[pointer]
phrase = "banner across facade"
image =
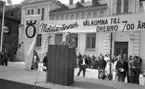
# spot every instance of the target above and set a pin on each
(129, 22)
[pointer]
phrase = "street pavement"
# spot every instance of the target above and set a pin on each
(90, 73)
(16, 71)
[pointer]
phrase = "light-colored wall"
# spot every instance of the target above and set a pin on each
(142, 47)
(100, 43)
(82, 43)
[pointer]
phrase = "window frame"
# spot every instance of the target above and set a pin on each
(126, 6)
(32, 11)
(28, 12)
(43, 14)
(75, 35)
(39, 40)
(118, 8)
(89, 39)
(38, 11)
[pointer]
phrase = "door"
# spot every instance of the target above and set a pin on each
(121, 48)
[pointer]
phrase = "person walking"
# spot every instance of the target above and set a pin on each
(82, 65)
(121, 67)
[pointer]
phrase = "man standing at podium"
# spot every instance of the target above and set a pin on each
(68, 40)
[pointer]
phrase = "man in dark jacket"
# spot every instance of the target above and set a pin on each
(122, 68)
(134, 70)
(101, 66)
(44, 63)
(82, 65)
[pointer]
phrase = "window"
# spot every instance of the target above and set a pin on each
(51, 17)
(95, 15)
(75, 36)
(38, 41)
(38, 11)
(42, 18)
(89, 15)
(77, 16)
(72, 16)
(118, 7)
(32, 12)
(61, 17)
(126, 2)
(83, 15)
(28, 12)
(91, 40)
(57, 17)
(67, 16)
(102, 13)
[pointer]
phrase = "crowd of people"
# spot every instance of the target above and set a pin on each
(117, 69)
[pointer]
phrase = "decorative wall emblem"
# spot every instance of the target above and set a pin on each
(31, 24)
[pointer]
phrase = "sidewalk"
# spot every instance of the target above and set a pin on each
(15, 72)
(90, 73)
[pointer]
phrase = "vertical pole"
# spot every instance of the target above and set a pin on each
(110, 73)
(3, 18)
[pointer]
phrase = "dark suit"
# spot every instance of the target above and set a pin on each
(121, 75)
(82, 67)
(134, 71)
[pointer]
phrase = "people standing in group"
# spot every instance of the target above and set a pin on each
(82, 63)
(134, 70)
(35, 61)
(101, 67)
(122, 68)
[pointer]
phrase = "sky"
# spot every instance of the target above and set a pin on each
(63, 1)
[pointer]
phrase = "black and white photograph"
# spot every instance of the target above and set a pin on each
(72, 44)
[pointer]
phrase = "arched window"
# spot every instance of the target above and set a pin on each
(95, 15)
(72, 16)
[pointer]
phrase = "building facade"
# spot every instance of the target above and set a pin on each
(12, 21)
(88, 41)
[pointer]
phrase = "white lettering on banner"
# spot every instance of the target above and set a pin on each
(130, 22)
(95, 22)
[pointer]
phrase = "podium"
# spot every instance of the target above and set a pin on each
(61, 63)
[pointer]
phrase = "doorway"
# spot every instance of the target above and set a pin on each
(121, 48)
